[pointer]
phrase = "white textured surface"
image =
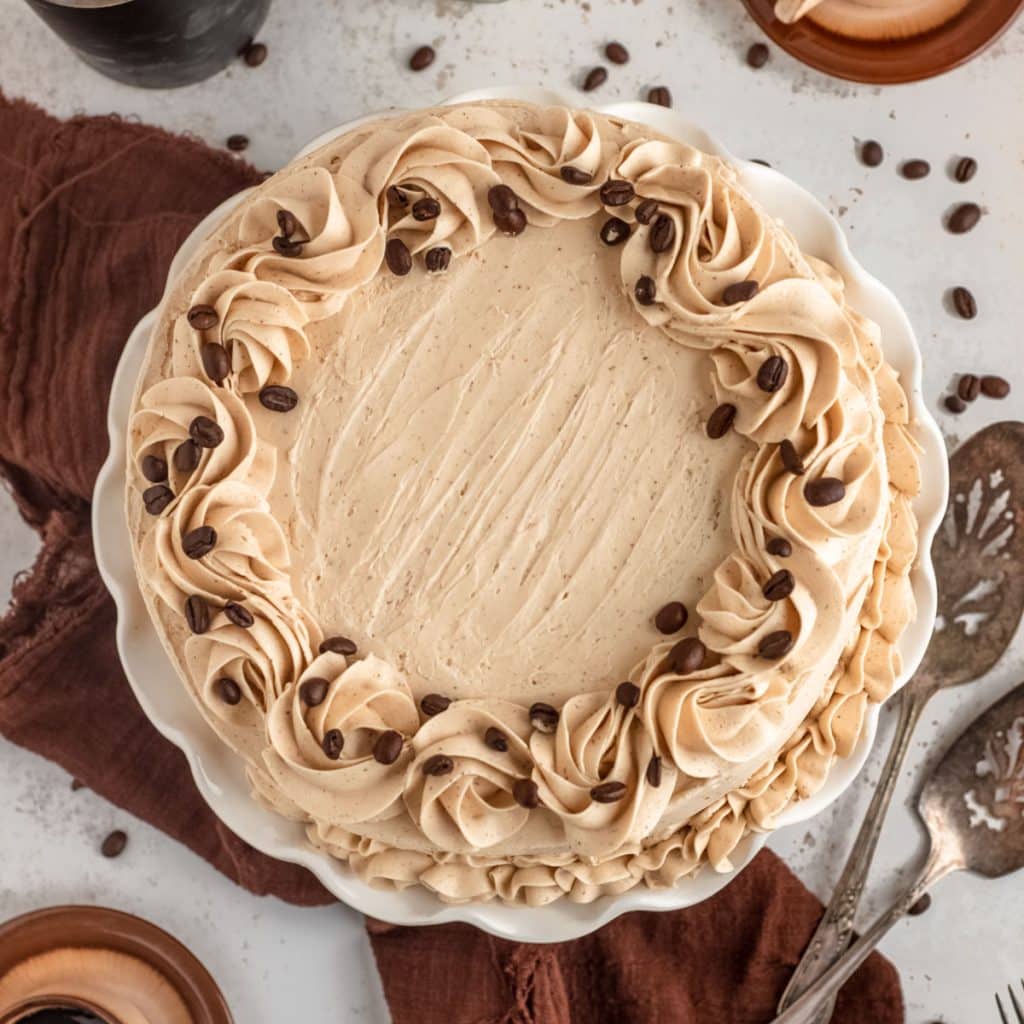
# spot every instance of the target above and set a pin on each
(330, 61)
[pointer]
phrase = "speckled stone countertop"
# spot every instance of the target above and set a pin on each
(331, 60)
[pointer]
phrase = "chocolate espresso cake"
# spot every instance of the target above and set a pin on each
(521, 504)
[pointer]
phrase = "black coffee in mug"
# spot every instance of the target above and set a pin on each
(154, 43)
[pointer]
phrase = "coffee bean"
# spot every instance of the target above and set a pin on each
(758, 55)
(199, 542)
(288, 224)
(595, 77)
(645, 291)
(963, 218)
(574, 176)
(721, 420)
(966, 168)
(153, 468)
(791, 458)
(921, 906)
(496, 740)
(773, 373)
(914, 170)
(653, 772)
(114, 844)
(216, 362)
(333, 744)
(434, 703)
(205, 432)
(388, 747)
(671, 618)
(662, 233)
(396, 196)
(197, 614)
(289, 247)
(968, 387)
(228, 690)
(526, 794)
(202, 317)
(627, 694)
(740, 291)
(615, 231)
(278, 398)
(186, 456)
(994, 387)
(543, 717)
(616, 192)
(608, 792)
(502, 199)
(338, 645)
(964, 304)
(439, 764)
(617, 53)
(826, 490)
(776, 645)
(779, 547)
(511, 223)
(779, 586)
(397, 257)
(438, 259)
(645, 211)
(313, 692)
(659, 96)
(238, 615)
(871, 153)
(254, 54)
(422, 58)
(954, 404)
(157, 498)
(426, 208)
(238, 143)
(686, 656)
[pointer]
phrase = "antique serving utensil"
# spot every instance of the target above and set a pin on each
(978, 555)
(973, 808)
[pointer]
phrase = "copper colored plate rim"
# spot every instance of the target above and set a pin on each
(52, 928)
(892, 63)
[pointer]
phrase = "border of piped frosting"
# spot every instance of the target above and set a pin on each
(841, 405)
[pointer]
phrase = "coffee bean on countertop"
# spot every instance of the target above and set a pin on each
(671, 618)
(968, 387)
(995, 387)
(496, 739)
(914, 170)
(238, 615)
(427, 208)
(202, 317)
(720, 421)
(278, 398)
(826, 490)
(526, 794)
(254, 54)
(438, 259)
(871, 153)
(186, 456)
(954, 403)
(338, 645)
(595, 77)
(197, 614)
(199, 542)
(114, 844)
(686, 656)
(739, 291)
(617, 53)
(776, 645)
(964, 304)
(313, 691)
(779, 586)
(772, 374)
(575, 176)
(333, 744)
(627, 694)
(434, 703)
(153, 468)
(614, 231)
(238, 143)
(758, 55)
(228, 690)
(963, 218)
(157, 498)
(608, 792)
(779, 547)
(543, 717)
(791, 457)
(216, 362)
(645, 291)
(438, 764)
(422, 57)
(206, 432)
(616, 192)
(653, 773)
(966, 168)
(659, 96)
(388, 747)
(662, 233)
(645, 211)
(397, 257)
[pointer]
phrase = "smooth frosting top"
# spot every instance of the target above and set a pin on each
(494, 477)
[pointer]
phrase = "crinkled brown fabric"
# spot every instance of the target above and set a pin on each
(91, 212)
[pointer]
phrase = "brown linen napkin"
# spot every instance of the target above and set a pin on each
(91, 212)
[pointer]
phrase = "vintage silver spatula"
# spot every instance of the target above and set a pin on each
(978, 555)
(973, 807)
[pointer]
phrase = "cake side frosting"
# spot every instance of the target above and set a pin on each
(486, 797)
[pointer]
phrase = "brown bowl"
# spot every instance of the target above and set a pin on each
(98, 928)
(889, 63)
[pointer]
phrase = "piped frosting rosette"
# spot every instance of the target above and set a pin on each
(356, 704)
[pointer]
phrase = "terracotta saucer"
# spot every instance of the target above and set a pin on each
(54, 928)
(904, 60)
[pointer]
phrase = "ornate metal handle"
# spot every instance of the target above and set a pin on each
(836, 927)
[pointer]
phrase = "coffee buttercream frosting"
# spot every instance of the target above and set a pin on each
(436, 423)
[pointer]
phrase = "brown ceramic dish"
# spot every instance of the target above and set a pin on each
(98, 928)
(904, 60)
